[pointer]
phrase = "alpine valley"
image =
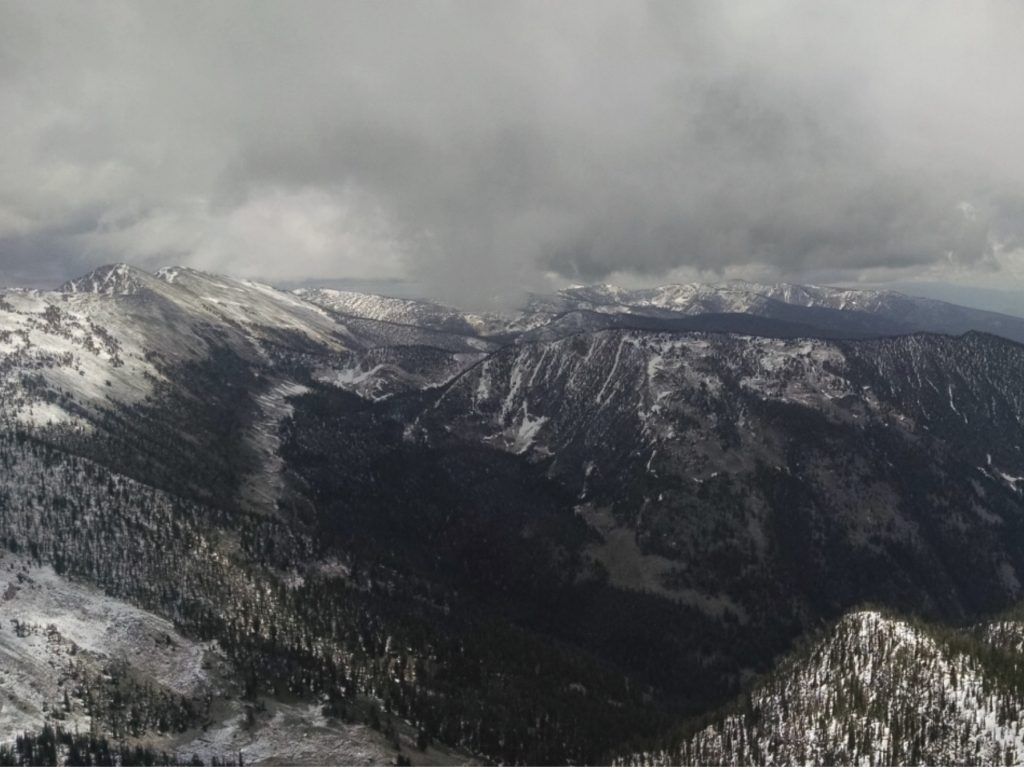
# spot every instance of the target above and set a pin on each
(727, 524)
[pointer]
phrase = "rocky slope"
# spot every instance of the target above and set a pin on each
(774, 480)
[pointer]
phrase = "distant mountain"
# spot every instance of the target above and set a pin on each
(418, 313)
(785, 324)
(111, 280)
(779, 309)
(879, 312)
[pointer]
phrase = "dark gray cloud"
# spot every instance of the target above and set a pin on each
(483, 147)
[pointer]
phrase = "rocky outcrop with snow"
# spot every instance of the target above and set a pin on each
(875, 690)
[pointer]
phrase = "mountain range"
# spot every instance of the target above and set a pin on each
(729, 523)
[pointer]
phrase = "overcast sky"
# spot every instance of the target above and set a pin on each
(478, 148)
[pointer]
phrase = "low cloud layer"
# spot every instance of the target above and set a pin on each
(483, 148)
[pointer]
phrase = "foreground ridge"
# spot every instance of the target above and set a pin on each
(875, 690)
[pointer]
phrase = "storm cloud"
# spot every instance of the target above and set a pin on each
(483, 148)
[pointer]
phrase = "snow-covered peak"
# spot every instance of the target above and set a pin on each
(830, 297)
(247, 303)
(372, 306)
(686, 298)
(88, 348)
(110, 280)
(892, 312)
(425, 314)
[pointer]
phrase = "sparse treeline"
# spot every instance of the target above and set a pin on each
(54, 745)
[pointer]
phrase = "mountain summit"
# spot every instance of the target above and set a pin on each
(109, 280)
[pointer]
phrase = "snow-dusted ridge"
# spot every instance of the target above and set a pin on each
(876, 690)
(730, 296)
(109, 280)
(412, 312)
(878, 311)
(111, 336)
